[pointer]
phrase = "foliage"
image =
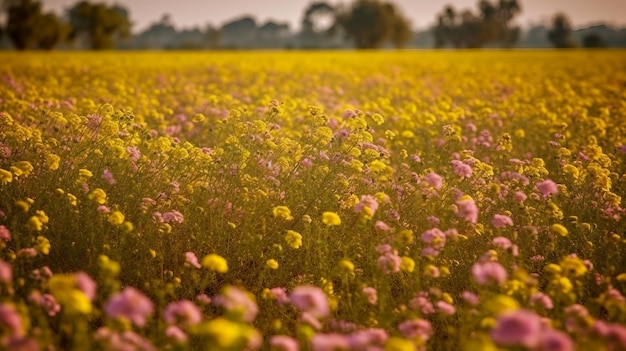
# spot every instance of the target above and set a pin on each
(468, 30)
(371, 23)
(100, 25)
(246, 201)
(560, 35)
(594, 40)
(28, 27)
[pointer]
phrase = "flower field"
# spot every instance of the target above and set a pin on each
(313, 201)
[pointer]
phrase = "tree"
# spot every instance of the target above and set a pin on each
(23, 17)
(561, 33)
(52, 31)
(370, 23)
(100, 25)
(594, 40)
(318, 25)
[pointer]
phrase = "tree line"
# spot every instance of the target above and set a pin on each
(363, 24)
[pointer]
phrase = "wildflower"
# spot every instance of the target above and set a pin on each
(470, 298)
(331, 219)
(407, 265)
(559, 229)
(5, 176)
(368, 339)
(47, 301)
(554, 340)
(367, 206)
(467, 209)
(445, 308)
(501, 221)
(282, 212)
(5, 234)
(175, 333)
(107, 175)
(52, 161)
(310, 299)
(434, 180)
(85, 284)
(131, 304)
(10, 321)
(239, 304)
(416, 328)
(573, 266)
(271, 263)
(518, 328)
(21, 168)
(390, 262)
(502, 242)
(284, 343)
(98, 195)
(329, 342)
(547, 188)
(116, 218)
(215, 263)
(519, 196)
(399, 344)
(192, 260)
(347, 265)
(6, 273)
(183, 313)
(293, 239)
(489, 271)
(371, 295)
(461, 169)
(382, 226)
(541, 299)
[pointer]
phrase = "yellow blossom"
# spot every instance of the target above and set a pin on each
(282, 212)
(271, 263)
(293, 239)
(331, 219)
(52, 161)
(215, 263)
(116, 218)
(5, 176)
(559, 229)
(407, 264)
(98, 195)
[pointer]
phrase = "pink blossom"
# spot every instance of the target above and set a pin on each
(203, 299)
(461, 169)
(368, 204)
(284, 343)
(27, 252)
(238, 302)
(554, 340)
(422, 304)
(182, 312)
(382, 226)
(130, 303)
(518, 328)
(175, 333)
(5, 234)
(502, 242)
(414, 328)
(86, 285)
(310, 299)
(280, 294)
(434, 180)
(445, 308)
(471, 298)
(366, 339)
(6, 273)
(47, 301)
(501, 221)
(547, 188)
(541, 299)
(489, 272)
(467, 209)
(173, 217)
(390, 262)
(192, 260)
(10, 320)
(371, 295)
(519, 196)
(108, 177)
(329, 342)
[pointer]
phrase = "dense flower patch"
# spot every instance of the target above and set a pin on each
(313, 201)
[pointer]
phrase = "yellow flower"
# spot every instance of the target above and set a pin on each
(573, 266)
(5, 176)
(377, 166)
(198, 117)
(22, 168)
(398, 344)
(116, 218)
(272, 263)
(85, 173)
(347, 265)
(226, 334)
(35, 224)
(293, 239)
(52, 161)
(559, 229)
(331, 219)
(282, 212)
(407, 265)
(43, 245)
(215, 263)
(98, 195)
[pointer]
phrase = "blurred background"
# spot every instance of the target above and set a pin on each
(305, 24)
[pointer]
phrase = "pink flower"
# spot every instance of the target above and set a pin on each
(518, 328)
(366, 339)
(519, 196)
(467, 209)
(130, 303)
(6, 273)
(10, 320)
(238, 302)
(329, 342)
(547, 188)
(203, 299)
(280, 294)
(434, 180)
(416, 328)
(554, 340)
(284, 343)
(461, 169)
(310, 299)
(5, 234)
(371, 294)
(390, 262)
(182, 312)
(502, 242)
(86, 284)
(471, 298)
(173, 217)
(445, 308)
(501, 221)
(541, 299)
(382, 226)
(368, 205)
(175, 333)
(47, 301)
(192, 260)
(108, 177)
(489, 271)
(422, 303)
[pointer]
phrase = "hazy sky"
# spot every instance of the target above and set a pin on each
(189, 13)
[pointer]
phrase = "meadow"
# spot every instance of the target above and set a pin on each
(313, 201)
